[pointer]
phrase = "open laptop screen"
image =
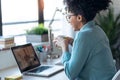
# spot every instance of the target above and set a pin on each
(26, 57)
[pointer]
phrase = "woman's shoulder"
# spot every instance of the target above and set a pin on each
(90, 34)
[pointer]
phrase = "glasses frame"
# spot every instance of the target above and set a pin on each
(68, 16)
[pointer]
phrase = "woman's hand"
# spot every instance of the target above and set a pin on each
(70, 40)
(62, 42)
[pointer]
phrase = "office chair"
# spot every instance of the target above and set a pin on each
(116, 76)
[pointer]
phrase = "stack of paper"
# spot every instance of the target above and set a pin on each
(14, 77)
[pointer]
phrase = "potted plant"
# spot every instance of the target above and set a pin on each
(37, 34)
(110, 23)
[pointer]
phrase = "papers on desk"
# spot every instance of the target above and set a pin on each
(14, 77)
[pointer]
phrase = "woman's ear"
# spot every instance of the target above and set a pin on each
(79, 18)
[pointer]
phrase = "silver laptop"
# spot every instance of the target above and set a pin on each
(29, 63)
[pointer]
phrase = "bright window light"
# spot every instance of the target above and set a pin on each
(18, 15)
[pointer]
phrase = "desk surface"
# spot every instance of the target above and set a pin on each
(15, 70)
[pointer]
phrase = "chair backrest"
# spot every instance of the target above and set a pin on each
(116, 76)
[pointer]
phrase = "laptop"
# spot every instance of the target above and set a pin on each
(29, 64)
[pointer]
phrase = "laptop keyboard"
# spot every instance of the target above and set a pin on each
(40, 69)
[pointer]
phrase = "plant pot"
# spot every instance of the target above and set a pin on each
(37, 38)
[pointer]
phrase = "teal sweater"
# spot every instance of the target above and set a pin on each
(91, 57)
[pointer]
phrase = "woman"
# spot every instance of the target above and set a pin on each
(91, 57)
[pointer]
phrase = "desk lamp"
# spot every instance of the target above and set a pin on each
(50, 33)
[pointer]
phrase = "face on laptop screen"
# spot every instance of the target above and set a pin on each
(25, 57)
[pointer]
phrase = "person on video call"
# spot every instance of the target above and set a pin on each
(91, 57)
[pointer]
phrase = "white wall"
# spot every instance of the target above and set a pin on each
(116, 4)
(6, 59)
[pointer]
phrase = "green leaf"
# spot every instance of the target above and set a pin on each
(38, 30)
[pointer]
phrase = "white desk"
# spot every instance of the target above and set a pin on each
(15, 70)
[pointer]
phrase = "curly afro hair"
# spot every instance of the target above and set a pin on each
(86, 8)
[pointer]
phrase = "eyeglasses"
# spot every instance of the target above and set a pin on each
(68, 16)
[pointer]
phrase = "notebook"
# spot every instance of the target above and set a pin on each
(29, 63)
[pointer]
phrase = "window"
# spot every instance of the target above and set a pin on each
(18, 15)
